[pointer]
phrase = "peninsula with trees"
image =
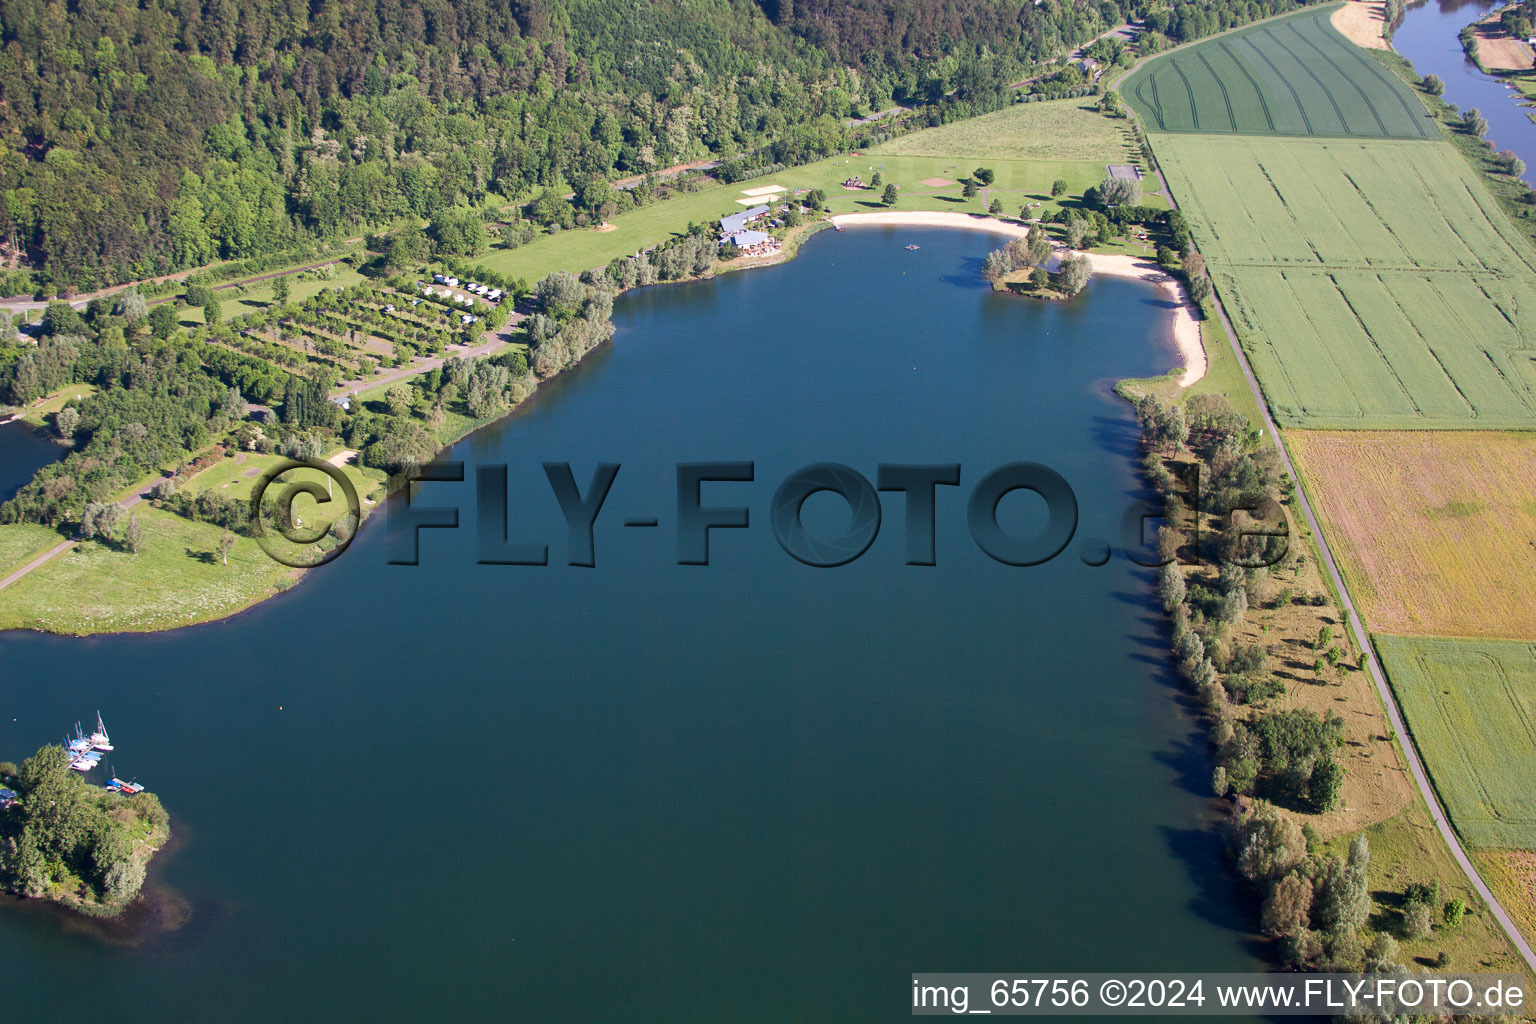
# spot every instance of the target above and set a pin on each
(79, 846)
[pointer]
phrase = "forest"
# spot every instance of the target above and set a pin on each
(153, 136)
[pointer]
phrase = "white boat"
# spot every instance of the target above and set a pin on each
(99, 739)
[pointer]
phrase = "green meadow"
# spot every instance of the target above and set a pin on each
(1471, 706)
(1028, 146)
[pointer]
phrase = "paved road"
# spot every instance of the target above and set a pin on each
(1357, 627)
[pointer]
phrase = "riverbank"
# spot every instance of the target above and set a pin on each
(1184, 328)
(1494, 51)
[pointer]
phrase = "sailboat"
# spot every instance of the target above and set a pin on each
(99, 739)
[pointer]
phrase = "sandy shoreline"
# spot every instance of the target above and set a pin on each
(1185, 329)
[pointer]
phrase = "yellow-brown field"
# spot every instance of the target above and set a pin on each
(1511, 874)
(1435, 531)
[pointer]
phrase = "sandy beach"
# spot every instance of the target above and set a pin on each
(1185, 329)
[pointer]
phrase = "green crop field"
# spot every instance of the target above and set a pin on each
(1471, 706)
(1374, 283)
(1289, 76)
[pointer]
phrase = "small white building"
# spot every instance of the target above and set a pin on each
(495, 295)
(439, 278)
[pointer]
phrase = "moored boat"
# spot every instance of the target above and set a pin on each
(99, 739)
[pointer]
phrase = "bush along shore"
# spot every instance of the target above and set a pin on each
(61, 840)
(1256, 637)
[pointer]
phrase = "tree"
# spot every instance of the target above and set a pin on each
(1434, 85)
(226, 542)
(1119, 191)
(1075, 272)
(213, 313)
(1343, 900)
(1269, 844)
(1170, 587)
(875, 180)
(1039, 277)
(1288, 907)
(985, 175)
(1200, 289)
(1059, 187)
(996, 266)
(888, 198)
(1037, 245)
(163, 319)
(99, 519)
(1418, 919)
(1455, 909)
(65, 421)
(131, 305)
(399, 397)
(134, 535)
(1474, 122)
(995, 208)
(969, 189)
(1077, 233)
(281, 290)
(1324, 783)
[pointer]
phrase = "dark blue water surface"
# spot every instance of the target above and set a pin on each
(649, 792)
(23, 451)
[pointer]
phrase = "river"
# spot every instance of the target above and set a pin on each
(1429, 36)
(647, 791)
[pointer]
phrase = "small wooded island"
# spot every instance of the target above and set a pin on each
(77, 845)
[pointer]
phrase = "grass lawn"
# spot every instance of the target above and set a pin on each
(258, 296)
(176, 579)
(1375, 284)
(1223, 375)
(1432, 529)
(1406, 849)
(1053, 130)
(234, 478)
(21, 542)
(1471, 706)
(38, 415)
(950, 152)
(1287, 76)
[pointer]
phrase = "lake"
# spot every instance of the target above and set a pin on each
(23, 451)
(646, 791)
